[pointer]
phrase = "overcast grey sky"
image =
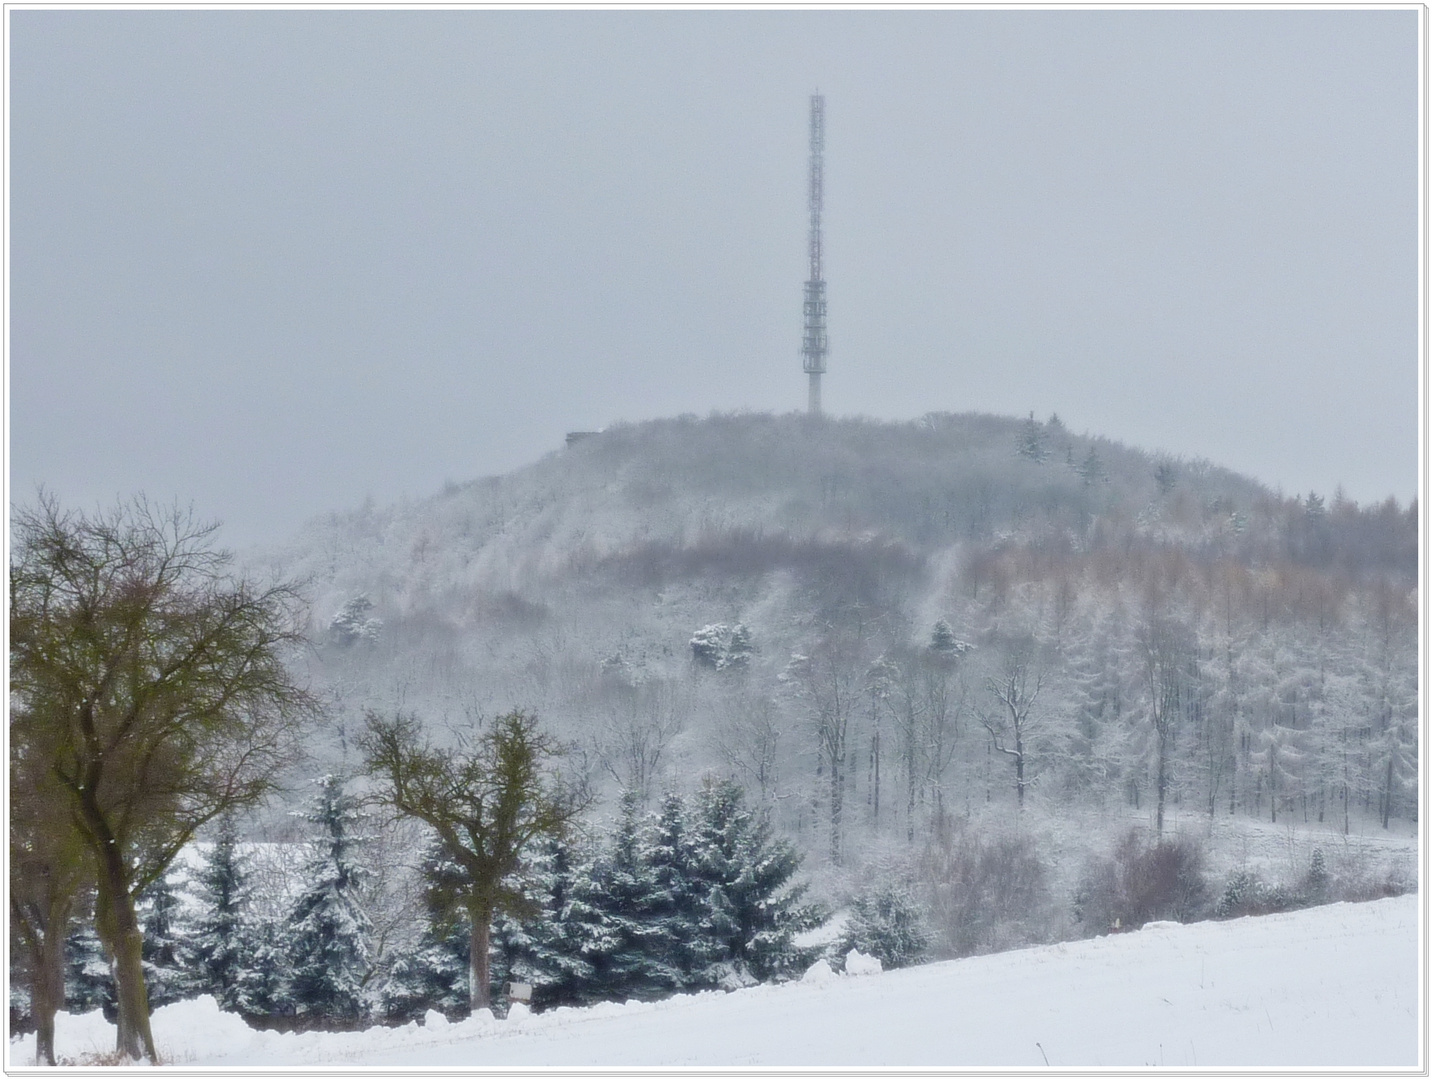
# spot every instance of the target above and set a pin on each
(276, 262)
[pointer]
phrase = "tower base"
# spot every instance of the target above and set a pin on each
(814, 404)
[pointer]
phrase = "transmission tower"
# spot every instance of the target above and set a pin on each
(813, 344)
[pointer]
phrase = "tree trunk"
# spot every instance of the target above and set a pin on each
(1387, 794)
(47, 985)
(1162, 781)
(875, 755)
(40, 932)
(480, 962)
(118, 929)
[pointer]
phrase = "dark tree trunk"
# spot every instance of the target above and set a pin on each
(1019, 769)
(1162, 780)
(875, 756)
(47, 984)
(480, 962)
(1387, 794)
(118, 929)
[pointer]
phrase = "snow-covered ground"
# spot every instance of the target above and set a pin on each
(1330, 986)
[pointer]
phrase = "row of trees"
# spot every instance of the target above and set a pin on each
(698, 895)
(152, 696)
(1160, 697)
(153, 693)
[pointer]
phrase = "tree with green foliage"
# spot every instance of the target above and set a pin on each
(156, 681)
(487, 799)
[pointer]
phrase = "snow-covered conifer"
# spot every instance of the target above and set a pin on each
(433, 973)
(628, 955)
(752, 911)
(222, 943)
(89, 984)
(556, 947)
(329, 930)
(888, 923)
(165, 953)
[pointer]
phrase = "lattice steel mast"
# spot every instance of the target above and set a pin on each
(813, 344)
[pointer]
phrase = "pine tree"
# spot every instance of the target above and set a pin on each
(89, 983)
(677, 904)
(751, 912)
(229, 951)
(1031, 442)
(165, 953)
(263, 986)
(434, 974)
(329, 930)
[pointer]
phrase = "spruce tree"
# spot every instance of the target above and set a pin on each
(89, 982)
(434, 973)
(329, 938)
(164, 953)
(888, 924)
(264, 984)
(678, 900)
(628, 954)
(232, 957)
(751, 912)
(556, 950)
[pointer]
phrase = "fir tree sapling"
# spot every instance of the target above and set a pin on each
(887, 923)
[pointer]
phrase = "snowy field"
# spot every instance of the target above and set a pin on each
(1332, 986)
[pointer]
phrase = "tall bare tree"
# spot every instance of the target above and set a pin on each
(1014, 685)
(157, 679)
(1167, 651)
(830, 682)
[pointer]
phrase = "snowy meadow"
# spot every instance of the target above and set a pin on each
(1334, 986)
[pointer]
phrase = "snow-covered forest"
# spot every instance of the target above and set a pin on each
(871, 626)
(926, 690)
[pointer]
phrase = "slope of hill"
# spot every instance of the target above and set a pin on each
(1330, 987)
(888, 632)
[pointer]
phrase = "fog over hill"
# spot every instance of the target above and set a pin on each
(852, 618)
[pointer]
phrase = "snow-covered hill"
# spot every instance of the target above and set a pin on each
(1335, 986)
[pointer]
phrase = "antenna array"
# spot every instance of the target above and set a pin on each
(813, 343)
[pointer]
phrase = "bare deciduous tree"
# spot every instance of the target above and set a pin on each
(1014, 685)
(159, 681)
